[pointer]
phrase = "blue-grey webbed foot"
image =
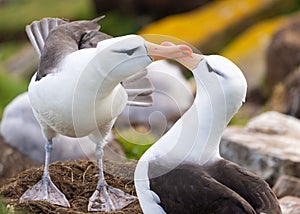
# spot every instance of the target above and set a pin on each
(107, 198)
(45, 189)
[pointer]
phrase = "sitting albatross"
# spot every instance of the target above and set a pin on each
(77, 92)
(183, 171)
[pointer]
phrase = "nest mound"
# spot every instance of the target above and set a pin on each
(77, 180)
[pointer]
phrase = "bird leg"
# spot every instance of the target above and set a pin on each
(107, 198)
(45, 188)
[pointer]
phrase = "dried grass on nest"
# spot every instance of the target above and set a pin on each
(77, 180)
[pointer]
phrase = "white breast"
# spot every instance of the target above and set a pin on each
(67, 100)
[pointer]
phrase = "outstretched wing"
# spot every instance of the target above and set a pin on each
(38, 31)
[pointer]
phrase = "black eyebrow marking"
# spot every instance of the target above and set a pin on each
(129, 52)
(210, 69)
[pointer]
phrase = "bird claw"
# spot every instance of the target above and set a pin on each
(107, 198)
(45, 190)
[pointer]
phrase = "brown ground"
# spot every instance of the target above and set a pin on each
(76, 179)
(12, 162)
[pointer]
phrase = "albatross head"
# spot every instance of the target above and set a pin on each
(129, 54)
(230, 77)
(219, 77)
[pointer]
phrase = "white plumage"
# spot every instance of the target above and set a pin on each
(77, 92)
(190, 151)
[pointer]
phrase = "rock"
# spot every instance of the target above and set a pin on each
(285, 45)
(285, 98)
(21, 130)
(275, 124)
(211, 27)
(287, 185)
(290, 205)
(269, 146)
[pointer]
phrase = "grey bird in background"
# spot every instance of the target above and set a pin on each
(21, 130)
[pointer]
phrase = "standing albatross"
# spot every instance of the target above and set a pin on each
(183, 171)
(77, 92)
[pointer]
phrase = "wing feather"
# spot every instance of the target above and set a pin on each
(38, 31)
(189, 189)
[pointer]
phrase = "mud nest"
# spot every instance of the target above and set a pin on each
(77, 180)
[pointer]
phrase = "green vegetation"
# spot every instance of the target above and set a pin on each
(8, 49)
(4, 210)
(27, 11)
(134, 143)
(10, 87)
(10, 209)
(16, 14)
(239, 120)
(116, 24)
(31, 10)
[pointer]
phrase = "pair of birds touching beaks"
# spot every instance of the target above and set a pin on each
(84, 81)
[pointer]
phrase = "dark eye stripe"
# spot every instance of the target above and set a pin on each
(210, 69)
(129, 52)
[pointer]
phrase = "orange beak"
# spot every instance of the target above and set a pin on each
(157, 52)
(180, 53)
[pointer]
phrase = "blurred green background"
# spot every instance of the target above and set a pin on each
(239, 30)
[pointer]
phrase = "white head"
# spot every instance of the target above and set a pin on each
(124, 55)
(129, 54)
(219, 77)
(231, 80)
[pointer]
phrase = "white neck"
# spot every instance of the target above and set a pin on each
(196, 136)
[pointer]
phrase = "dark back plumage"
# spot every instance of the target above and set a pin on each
(55, 38)
(222, 187)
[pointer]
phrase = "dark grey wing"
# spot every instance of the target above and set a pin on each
(91, 39)
(248, 185)
(38, 31)
(189, 189)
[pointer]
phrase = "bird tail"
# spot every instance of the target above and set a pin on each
(139, 89)
(38, 31)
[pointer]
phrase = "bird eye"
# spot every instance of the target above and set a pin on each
(129, 52)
